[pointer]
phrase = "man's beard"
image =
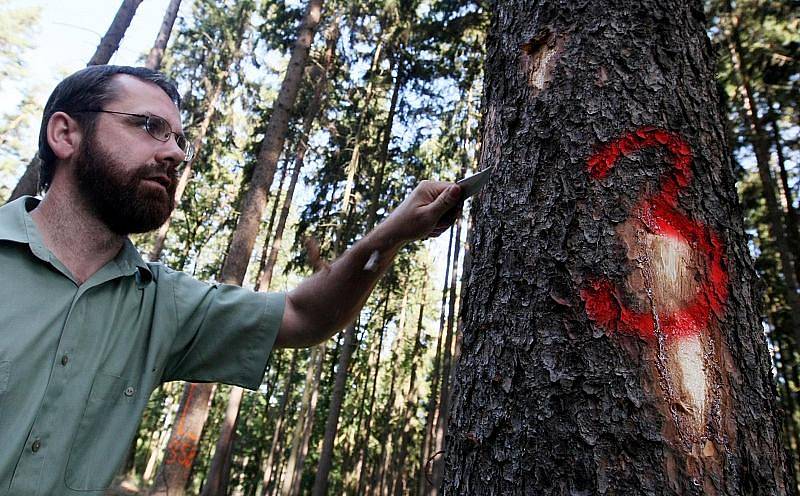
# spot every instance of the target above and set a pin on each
(117, 193)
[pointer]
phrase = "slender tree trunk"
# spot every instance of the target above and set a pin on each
(425, 458)
(157, 52)
(332, 423)
(268, 237)
(255, 198)
(360, 469)
(612, 340)
(110, 42)
(355, 157)
(400, 481)
(792, 228)
(760, 143)
(312, 112)
(216, 481)
(184, 440)
(186, 173)
(278, 431)
(304, 424)
(244, 235)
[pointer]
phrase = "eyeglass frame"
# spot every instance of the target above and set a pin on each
(188, 153)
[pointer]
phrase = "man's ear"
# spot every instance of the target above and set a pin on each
(63, 135)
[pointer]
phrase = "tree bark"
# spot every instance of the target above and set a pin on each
(110, 42)
(157, 52)
(612, 340)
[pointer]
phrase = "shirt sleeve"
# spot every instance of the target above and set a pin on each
(224, 333)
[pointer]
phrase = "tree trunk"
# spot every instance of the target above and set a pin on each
(760, 143)
(255, 198)
(372, 379)
(332, 422)
(110, 42)
(425, 454)
(157, 52)
(304, 424)
(601, 350)
(184, 440)
(277, 433)
(792, 228)
(399, 481)
(313, 110)
(217, 478)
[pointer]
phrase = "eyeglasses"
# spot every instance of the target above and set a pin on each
(158, 128)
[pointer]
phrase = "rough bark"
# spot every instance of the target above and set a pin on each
(110, 41)
(157, 52)
(255, 198)
(611, 214)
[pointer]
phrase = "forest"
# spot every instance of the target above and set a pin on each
(496, 358)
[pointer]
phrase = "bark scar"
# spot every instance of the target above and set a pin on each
(539, 57)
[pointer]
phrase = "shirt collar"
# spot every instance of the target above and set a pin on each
(17, 225)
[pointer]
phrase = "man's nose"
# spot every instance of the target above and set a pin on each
(169, 152)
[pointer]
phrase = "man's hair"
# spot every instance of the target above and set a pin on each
(89, 89)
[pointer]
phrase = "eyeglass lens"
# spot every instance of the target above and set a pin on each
(160, 129)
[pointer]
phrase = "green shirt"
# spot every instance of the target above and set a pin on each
(78, 362)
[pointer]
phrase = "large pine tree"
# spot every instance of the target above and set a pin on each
(612, 340)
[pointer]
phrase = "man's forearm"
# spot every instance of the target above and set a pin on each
(330, 299)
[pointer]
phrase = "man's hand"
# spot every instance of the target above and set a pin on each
(428, 211)
(332, 298)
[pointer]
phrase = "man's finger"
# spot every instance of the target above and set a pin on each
(446, 199)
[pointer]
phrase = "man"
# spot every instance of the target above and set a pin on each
(89, 329)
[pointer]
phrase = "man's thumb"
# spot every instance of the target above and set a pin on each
(446, 199)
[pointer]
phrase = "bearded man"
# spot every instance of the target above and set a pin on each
(89, 329)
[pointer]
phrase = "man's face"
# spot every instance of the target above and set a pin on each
(127, 177)
(120, 193)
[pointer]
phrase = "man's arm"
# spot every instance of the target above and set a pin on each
(330, 299)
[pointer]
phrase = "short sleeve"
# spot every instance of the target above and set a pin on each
(224, 333)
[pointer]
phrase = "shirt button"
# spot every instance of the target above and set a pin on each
(129, 391)
(64, 360)
(36, 445)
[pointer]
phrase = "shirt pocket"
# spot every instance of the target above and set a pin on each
(100, 442)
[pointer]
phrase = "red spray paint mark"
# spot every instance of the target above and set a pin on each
(659, 214)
